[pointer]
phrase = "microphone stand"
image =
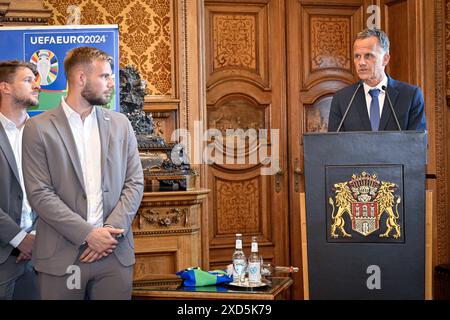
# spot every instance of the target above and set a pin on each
(391, 107)
(348, 107)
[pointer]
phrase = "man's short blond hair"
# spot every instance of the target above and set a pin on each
(84, 56)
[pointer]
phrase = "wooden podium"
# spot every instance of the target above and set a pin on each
(365, 215)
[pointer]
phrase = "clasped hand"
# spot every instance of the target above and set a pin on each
(101, 243)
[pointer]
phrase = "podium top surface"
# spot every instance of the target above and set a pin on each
(377, 133)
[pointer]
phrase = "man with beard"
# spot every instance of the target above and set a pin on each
(18, 91)
(84, 179)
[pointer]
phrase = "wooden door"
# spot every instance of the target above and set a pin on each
(245, 89)
(319, 44)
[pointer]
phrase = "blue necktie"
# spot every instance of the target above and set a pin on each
(374, 109)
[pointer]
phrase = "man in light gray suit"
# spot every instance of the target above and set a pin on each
(84, 179)
(18, 91)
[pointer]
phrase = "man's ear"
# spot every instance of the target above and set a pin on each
(79, 78)
(82, 78)
(5, 87)
(386, 59)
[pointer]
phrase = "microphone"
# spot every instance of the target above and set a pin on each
(348, 107)
(391, 107)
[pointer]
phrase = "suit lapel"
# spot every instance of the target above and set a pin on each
(104, 126)
(59, 120)
(5, 146)
(361, 105)
(387, 113)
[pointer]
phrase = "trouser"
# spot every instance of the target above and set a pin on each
(105, 279)
(18, 280)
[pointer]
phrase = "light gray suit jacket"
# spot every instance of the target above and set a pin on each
(55, 187)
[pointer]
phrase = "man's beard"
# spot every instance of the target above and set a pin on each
(26, 101)
(93, 98)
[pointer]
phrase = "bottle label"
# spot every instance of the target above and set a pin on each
(254, 246)
(238, 267)
(254, 272)
(238, 244)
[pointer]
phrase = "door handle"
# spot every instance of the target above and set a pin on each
(278, 177)
(297, 174)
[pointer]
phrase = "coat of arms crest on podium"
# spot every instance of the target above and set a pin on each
(365, 200)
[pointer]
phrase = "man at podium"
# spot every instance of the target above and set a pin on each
(376, 102)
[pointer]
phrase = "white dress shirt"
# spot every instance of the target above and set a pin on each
(381, 97)
(87, 140)
(14, 135)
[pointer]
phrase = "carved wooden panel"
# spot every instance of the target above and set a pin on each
(234, 41)
(238, 206)
(237, 113)
(148, 264)
(436, 86)
(447, 43)
(238, 38)
(152, 219)
(330, 43)
(160, 217)
(317, 115)
(326, 40)
(23, 12)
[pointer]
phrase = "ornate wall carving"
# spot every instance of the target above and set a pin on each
(146, 34)
(238, 38)
(447, 44)
(441, 136)
(325, 42)
(234, 41)
(236, 114)
(238, 206)
(19, 12)
(317, 115)
(330, 45)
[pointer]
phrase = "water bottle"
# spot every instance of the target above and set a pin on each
(254, 265)
(239, 260)
(268, 269)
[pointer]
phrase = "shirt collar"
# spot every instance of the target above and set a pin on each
(70, 113)
(8, 124)
(383, 82)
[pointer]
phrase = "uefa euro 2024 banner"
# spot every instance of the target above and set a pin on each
(46, 47)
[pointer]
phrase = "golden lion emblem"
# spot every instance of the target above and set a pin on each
(344, 200)
(365, 200)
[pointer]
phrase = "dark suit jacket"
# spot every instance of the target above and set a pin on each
(407, 101)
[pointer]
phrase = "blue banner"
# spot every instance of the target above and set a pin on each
(46, 47)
